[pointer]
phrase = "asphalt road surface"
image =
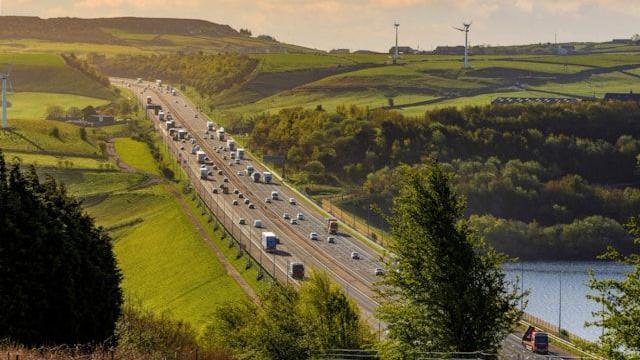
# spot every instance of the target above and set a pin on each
(356, 276)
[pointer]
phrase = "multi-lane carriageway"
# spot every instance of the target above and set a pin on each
(357, 277)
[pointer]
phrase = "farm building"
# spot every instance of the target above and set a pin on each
(403, 50)
(449, 50)
(630, 96)
(101, 120)
(531, 100)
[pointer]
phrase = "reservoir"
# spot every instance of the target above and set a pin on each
(547, 300)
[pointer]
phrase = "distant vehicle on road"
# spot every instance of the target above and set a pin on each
(313, 236)
(331, 239)
(292, 201)
(355, 256)
(378, 272)
(536, 340)
(257, 223)
(296, 270)
(269, 241)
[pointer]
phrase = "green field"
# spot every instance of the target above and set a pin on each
(166, 265)
(49, 73)
(28, 135)
(440, 80)
(66, 162)
(33, 105)
(136, 154)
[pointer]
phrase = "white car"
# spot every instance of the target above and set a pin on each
(240, 173)
(331, 239)
(292, 201)
(235, 202)
(379, 272)
(313, 236)
(267, 200)
(300, 216)
(294, 222)
(355, 256)
(286, 216)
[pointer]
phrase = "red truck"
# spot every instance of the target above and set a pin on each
(536, 340)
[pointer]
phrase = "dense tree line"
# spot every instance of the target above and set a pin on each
(59, 282)
(86, 68)
(531, 163)
(208, 74)
(517, 190)
(590, 140)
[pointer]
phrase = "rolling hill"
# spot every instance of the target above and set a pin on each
(129, 35)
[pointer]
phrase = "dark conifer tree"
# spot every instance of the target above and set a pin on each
(59, 282)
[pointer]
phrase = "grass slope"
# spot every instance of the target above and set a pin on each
(30, 135)
(49, 73)
(166, 264)
(136, 154)
(33, 105)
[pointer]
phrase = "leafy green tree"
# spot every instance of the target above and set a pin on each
(445, 290)
(620, 300)
(88, 111)
(288, 324)
(74, 113)
(54, 112)
(59, 282)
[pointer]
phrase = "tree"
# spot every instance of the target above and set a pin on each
(88, 111)
(59, 283)
(54, 112)
(620, 300)
(83, 133)
(445, 290)
(290, 325)
(74, 113)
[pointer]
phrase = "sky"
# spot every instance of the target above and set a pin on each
(368, 24)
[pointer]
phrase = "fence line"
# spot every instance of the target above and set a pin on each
(266, 261)
(374, 234)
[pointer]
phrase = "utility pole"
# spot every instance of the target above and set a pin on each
(4, 101)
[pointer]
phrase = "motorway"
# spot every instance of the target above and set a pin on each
(356, 277)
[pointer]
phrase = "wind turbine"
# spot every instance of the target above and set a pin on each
(395, 51)
(465, 30)
(5, 83)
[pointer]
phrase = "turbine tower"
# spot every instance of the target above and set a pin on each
(395, 50)
(465, 30)
(5, 81)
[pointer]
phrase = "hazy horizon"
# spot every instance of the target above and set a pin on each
(368, 24)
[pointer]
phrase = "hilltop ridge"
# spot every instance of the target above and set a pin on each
(100, 30)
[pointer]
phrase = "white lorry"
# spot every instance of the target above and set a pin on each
(202, 156)
(267, 177)
(269, 241)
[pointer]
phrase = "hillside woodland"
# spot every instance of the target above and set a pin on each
(208, 74)
(557, 176)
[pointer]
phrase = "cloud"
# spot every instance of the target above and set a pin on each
(138, 4)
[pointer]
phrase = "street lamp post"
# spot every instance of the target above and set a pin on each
(560, 306)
